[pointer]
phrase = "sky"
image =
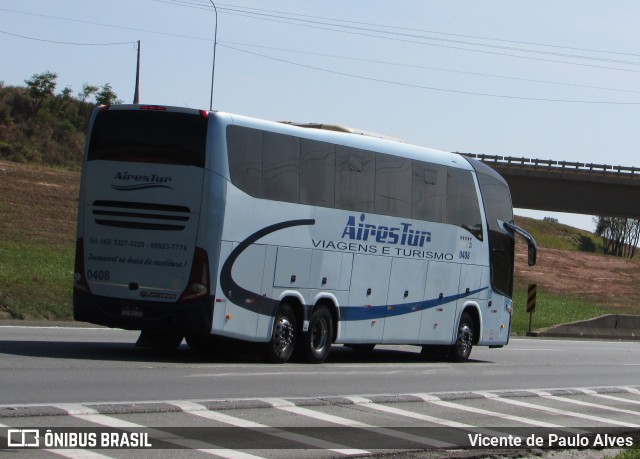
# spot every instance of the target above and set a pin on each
(541, 79)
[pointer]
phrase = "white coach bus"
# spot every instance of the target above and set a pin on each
(213, 226)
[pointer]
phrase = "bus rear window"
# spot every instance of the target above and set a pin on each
(149, 136)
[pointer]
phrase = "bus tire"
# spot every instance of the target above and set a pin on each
(316, 343)
(461, 349)
(283, 338)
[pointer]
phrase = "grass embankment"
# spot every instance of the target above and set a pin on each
(575, 280)
(37, 232)
(552, 309)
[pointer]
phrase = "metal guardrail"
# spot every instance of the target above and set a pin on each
(557, 166)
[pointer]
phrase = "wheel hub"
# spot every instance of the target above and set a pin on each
(283, 334)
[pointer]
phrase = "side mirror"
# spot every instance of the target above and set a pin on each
(532, 247)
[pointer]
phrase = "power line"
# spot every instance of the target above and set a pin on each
(80, 21)
(316, 27)
(305, 23)
(423, 67)
(66, 42)
(458, 48)
(279, 16)
(428, 31)
(430, 88)
(187, 2)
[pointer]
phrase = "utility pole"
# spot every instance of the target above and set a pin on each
(215, 42)
(136, 94)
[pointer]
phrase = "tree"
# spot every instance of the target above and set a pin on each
(41, 86)
(87, 91)
(106, 96)
(620, 235)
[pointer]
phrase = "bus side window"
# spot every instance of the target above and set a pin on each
(429, 195)
(393, 186)
(501, 271)
(281, 167)
(245, 159)
(355, 179)
(318, 175)
(462, 202)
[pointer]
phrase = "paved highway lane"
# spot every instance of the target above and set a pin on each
(81, 379)
(81, 365)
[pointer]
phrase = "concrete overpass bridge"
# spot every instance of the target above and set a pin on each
(560, 186)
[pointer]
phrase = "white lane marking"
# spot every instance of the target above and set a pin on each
(399, 412)
(496, 397)
(437, 401)
(70, 453)
(301, 373)
(632, 390)
(423, 417)
(290, 407)
(549, 396)
(531, 349)
(90, 415)
(202, 411)
(593, 393)
(577, 341)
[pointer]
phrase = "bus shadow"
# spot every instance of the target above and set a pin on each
(381, 354)
(220, 353)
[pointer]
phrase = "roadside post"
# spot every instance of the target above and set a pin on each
(531, 302)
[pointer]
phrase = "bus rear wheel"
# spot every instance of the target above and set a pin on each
(316, 343)
(283, 338)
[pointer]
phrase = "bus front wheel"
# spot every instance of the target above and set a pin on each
(283, 338)
(461, 349)
(316, 343)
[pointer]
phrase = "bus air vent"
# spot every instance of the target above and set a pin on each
(140, 215)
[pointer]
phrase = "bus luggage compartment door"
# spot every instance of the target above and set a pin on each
(366, 313)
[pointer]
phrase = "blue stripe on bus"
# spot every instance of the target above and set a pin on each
(260, 304)
(366, 312)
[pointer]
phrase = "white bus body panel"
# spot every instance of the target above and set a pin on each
(365, 274)
(119, 207)
(439, 317)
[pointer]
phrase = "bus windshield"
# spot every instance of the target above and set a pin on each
(149, 136)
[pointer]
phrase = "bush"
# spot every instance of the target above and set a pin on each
(53, 136)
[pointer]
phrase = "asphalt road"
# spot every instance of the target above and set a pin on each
(90, 381)
(45, 365)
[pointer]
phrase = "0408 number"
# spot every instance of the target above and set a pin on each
(98, 274)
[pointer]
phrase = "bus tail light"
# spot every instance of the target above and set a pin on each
(79, 279)
(198, 285)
